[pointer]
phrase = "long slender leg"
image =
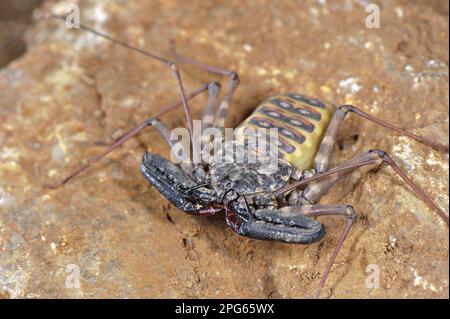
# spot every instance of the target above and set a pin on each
(293, 225)
(323, 157)
(302, 184)
(325, 153)
(211, 106)
(282, 225)
(295, 198)
(215, 114)
(320, 183)
(315, 190)
(174, 68)
(179, 188)
(325, 210)
(213, 96)
(125, 137)
(222, 111)
(233, 82)
(164, 131)
(368, 158)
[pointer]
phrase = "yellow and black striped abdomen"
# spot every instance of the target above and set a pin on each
(301, 122)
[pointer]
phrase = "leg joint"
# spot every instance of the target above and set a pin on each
(234, 76)
(213, 86)
(380, 153)
(346, 108)
(350, 213)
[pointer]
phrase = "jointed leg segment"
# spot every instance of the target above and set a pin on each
(233, 82)
(325, 152)
(293, 224)
(322, 161)
(319, 184)
(128, 135)
(330, 210)
(175, 72)
(288, 224)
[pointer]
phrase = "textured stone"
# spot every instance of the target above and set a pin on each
(14, 17)
(71, 90)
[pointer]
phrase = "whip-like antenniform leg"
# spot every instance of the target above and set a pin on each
(136, 130)
(125, 137)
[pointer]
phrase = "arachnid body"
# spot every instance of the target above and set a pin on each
(275, 205)
(244, 190)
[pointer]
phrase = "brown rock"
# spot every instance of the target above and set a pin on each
(71, 89)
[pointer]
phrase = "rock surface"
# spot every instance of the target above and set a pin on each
(71, 89)
(14, 17)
